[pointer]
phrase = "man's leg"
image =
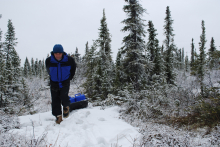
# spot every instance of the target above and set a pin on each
(56, 101)
(64, 91)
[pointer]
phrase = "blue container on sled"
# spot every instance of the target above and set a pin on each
(78, 102)
(79, 97)
(72, 99)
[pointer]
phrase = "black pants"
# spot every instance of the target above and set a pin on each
(59, 96)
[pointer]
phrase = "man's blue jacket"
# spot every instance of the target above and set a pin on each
(61, 72)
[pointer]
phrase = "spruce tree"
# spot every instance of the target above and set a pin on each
(40, 69)
(16, 69)
(202, 56)
(104, 69)
(9, 44)
(25, 92)
(33, 67)
(158, 61)
(211, 53)
(179, 59)
(178, 54)
(133, 61)
(187, 65)
(104, 40)
(85, 59)
(26, 70)
(162, 50)
(170, 47)
(151, 40)
(2, 78)
(99, 64)
(43, 69)
(87, 48)
(168, 30)
(36, 68)
(89, 85)
(10, 57)
(182, 59)
(2, 74)
(154, 50)
(118, 74)
(86, 52)
(77, 55)
(10, 40)
(192, 55)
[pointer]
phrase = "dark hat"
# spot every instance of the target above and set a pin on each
(58, 48)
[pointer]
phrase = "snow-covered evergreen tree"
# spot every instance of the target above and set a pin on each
(102, 66)
(89, 85)
(133, 61)
(202, 58)
(119, 75)
(44, 70)
(2, 74)
(105, 65)
(85, 57)
(13, 90)
(40, 69)
(154, 51)
(26, 99)
(16, 70)
(162, 49)
(77, 55)
(10, 57)
(179, 58)
(8, 76)
(87, 48)
(32, 67)
(26, 69)
(194, 60)
(211, 53)
(36, 68)
(192, 54)
(170, 47)
(2, 81)
(182, 59)
(187, 64)
(151, 45)
(104, 40)
(84, 61)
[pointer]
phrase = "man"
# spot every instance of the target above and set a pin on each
(61, 69)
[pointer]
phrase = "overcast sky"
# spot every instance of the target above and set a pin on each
(40, 24)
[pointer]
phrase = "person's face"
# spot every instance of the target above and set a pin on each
(58, 56)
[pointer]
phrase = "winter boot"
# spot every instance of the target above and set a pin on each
(66, 111)
(59, 119)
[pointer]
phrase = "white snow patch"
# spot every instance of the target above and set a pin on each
(89, 127)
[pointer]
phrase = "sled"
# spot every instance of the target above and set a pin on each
(78, 102)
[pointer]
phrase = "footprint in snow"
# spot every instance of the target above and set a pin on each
(50, 119)
(88, 113)
(101, 119)
(79, 121)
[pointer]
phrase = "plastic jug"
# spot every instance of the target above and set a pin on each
(79, 97)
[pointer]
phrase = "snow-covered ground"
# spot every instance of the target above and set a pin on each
(88, 127)
(94, 127)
